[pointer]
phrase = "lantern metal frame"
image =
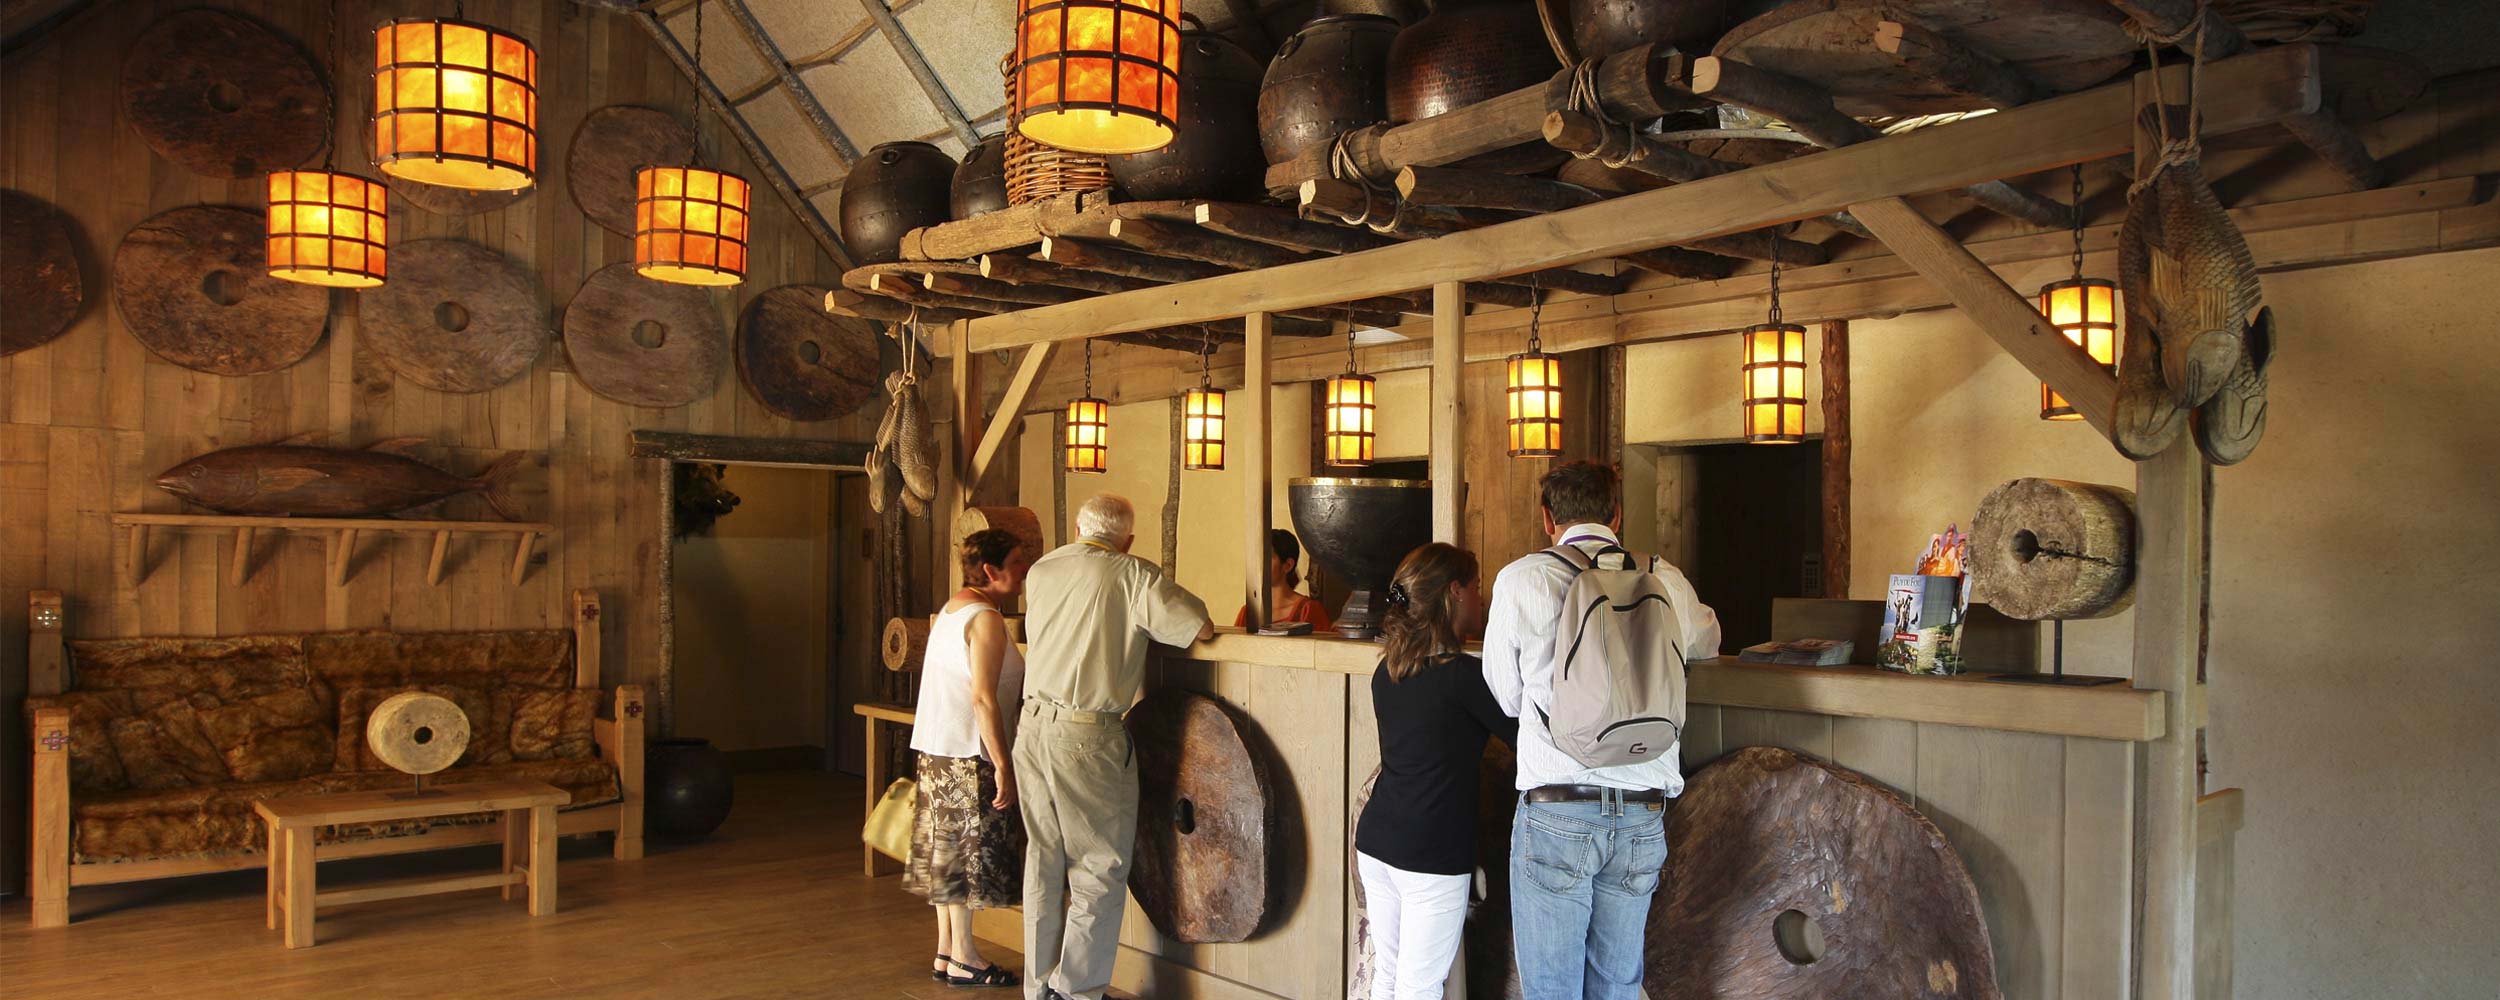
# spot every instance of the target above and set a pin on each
(1162, 110)
(1202, 415)
(661, 249)
(2093, 329)
(1350, 404)
(1532, 386)
(1784, 403)
(1085, 444)
(307, 217)
(486, 163)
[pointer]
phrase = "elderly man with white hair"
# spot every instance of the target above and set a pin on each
(1091, 608)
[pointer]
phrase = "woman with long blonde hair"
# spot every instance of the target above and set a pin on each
(1415, 842)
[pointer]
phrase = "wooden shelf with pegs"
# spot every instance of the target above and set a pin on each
(342, 532)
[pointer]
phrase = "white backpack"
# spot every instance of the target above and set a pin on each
(1618, 662)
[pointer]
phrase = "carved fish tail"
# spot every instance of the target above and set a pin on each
(492, 483)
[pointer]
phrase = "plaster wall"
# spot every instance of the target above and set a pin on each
(752, 623)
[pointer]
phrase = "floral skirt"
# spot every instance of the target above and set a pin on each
(963, 852)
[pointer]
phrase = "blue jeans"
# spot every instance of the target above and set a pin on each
(1581, 874)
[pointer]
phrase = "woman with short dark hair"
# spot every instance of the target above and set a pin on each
(1416, 840)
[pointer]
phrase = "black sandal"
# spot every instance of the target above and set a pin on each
(986, 977)
(939, 975)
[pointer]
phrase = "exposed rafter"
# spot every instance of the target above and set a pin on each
(843, 150)
(774, 173)
(892, 28)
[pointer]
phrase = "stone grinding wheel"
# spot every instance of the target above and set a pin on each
(903, 643)
(1205, 820)
(802, 362)
(1492, 967)
(39, 275)
(610, 145)
(442, 200)
(1021, 522)
(643, 342)
(455, 316)
(2044, 549)
(1773, 849)
(221, 95)
(193, 285)
(417, 732)
(2056, 45)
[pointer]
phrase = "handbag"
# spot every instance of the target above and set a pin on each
(889, 824)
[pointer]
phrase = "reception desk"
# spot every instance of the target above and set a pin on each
(2032, 784)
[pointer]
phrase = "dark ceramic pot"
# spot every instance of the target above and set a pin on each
(980, 185)
(1360, 529)
(1467, 52)
(1326, 79)
(686, 788)
(1600, 28)
(1214, 152)
(896, 188)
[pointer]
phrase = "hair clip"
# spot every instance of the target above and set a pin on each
(1399, 598)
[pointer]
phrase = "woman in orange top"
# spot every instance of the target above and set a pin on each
(1284, 556)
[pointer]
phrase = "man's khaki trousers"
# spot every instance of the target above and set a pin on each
(1076, 779)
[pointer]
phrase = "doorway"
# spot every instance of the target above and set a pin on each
(1745, 523)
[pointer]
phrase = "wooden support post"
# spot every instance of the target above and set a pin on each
(434, 559)
(955, 490)
(586, 638)
(46, 617)
(521, 545)
(342, 553)
(542, 877)
(240, 570)
(2008, 318)
(50, 849)
(872, 860)
(1449, 428)
(1252, 441)
(1836, 459)
(1953, 66)
(135, 559)
(630, 739)
(516, 847)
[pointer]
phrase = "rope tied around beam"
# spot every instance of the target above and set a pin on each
(1342, 166)
(1583, 99)
(2175, 150)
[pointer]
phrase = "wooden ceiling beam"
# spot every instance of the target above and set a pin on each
(809, 108)
(1953, 66)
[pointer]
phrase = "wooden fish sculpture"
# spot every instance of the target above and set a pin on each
(2184, 267)
(292, 478)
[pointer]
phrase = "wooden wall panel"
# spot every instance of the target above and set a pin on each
(87, 421)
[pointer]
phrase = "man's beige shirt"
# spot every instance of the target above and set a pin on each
(1090, 612)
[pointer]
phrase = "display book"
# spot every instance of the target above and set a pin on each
(1923, 611)
(1801, 652)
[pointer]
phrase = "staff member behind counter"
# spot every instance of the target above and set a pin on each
(1284, 573)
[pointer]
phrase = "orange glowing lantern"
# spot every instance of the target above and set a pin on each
(690, 225)
(1089, 435)
(1775, 383)
(1098, 76)
(1202, 429)
(1535, 405)
(328, 228)
(455, 104)
(1347, 408)
(2086, 311)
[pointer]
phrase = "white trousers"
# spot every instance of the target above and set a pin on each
(1416, 923)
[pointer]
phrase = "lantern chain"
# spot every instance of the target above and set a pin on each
(1089, 366)
(2077, 211)
(330, 85)
(1349, 340)
(1206, 359)
(694, 125)
(1775, 279)
(1536, 310)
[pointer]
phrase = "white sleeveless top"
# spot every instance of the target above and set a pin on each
(944, 725)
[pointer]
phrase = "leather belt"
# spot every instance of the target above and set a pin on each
(1593, 793)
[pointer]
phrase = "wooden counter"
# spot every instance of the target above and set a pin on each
(2107, 712)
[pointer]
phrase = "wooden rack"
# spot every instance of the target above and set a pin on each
(342, 532)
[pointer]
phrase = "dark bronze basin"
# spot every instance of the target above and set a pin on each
(1360, 529)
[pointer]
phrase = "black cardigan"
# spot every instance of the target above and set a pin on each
(1422, 813)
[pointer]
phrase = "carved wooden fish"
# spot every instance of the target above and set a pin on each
(2186, 270)
(292, 478)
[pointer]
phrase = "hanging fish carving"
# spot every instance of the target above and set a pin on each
(2192, 298)
(915, 446)
(295, 478)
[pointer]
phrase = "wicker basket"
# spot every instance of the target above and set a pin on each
(1036, 171)
(2295, 20)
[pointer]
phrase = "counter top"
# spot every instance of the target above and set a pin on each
(2108, 712)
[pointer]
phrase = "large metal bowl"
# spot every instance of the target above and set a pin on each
(1360, 529)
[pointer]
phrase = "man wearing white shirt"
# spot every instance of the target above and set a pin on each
(1587, 843)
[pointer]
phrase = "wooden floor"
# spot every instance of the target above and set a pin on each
(772, 905)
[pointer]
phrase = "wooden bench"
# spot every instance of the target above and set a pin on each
(529, 825)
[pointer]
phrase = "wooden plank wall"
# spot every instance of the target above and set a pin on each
(87, 421)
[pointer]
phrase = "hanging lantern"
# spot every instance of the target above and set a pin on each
(327, 228)
(1347, 409)
(1535, 393)
(455, 104)
(1775, 383)
(690, 225)
(1202, 429)
(1087, 446)
(1098, 76)
(2086, 311)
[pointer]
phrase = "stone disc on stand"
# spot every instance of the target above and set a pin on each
(39, 274)
(193, 285)
(417, 732)
(221, 95)
(643, 342)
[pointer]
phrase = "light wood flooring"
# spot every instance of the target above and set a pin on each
(771, 905)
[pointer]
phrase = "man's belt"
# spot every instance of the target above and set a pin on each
(1593, 793)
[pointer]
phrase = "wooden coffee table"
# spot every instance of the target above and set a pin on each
(529, 825)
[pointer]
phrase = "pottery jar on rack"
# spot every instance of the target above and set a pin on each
(893, 189)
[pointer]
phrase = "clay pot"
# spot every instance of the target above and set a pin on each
(1600, 28)
(980, 185)
(1214, 152)
(896, 188)
(1326, 79)
(686, 788)
(1468, 51)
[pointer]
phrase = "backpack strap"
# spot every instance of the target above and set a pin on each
(1571, 556)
